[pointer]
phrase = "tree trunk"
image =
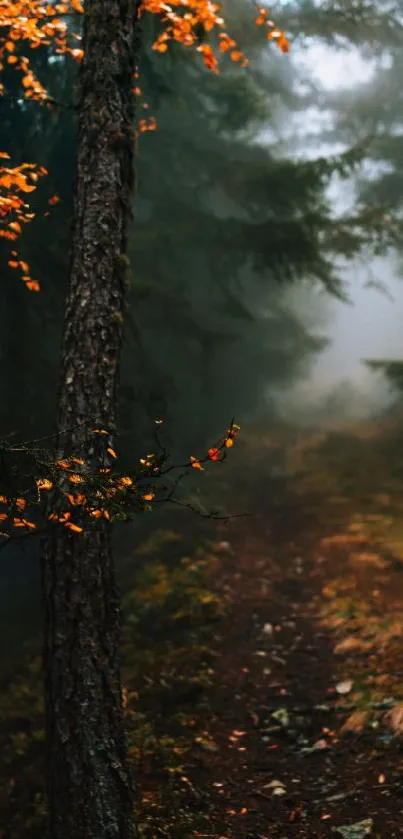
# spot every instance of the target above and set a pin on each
(89, 785)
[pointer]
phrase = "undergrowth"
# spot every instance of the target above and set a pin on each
(167, 656)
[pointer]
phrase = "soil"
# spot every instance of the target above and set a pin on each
(281, 765)
(264, 660)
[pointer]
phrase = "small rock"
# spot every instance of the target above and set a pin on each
(223, 547)
(337, 797)
(344, 687)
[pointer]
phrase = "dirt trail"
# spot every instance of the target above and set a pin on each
(249, 651)
(282, 690)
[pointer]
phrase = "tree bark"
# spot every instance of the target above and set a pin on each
(89, 785)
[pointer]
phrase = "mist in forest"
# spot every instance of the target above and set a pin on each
(339, 386)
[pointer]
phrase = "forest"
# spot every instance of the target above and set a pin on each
(201, 403)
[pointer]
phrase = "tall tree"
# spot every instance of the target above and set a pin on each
(89, 784)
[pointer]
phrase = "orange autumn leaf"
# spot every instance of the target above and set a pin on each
(32, 285)
(279, 38)
(214, 454)
(226, 43)
(76, 500)
(262, 17)
(74, 527)
(160, 46)
(149, 124)
(18, 522)
(149, 496)
(195, 463)
(209, 58)
(44, 483)
(125, 481)
(76, 479)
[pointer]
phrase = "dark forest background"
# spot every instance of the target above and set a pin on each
(235, 249)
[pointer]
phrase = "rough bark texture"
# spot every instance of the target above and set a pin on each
(89, 784)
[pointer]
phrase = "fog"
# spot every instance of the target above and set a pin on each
(369, 325)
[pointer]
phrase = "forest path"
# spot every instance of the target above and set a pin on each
(263, 660)
(305, 711)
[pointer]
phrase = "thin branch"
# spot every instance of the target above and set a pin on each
(211, 515)
(48, 100)
(55, 435)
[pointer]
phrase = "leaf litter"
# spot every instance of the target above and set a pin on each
(278, 751)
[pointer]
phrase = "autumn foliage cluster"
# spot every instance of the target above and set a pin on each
(83, 495)
(24, 27)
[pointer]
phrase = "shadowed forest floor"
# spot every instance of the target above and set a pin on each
(263, 661)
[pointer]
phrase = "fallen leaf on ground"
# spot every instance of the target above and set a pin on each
(321, 744)
(352, 644)
(281, 715)
(358, 830)
(369, 559)
(394, 719)
(355, 723)
(343, 539)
